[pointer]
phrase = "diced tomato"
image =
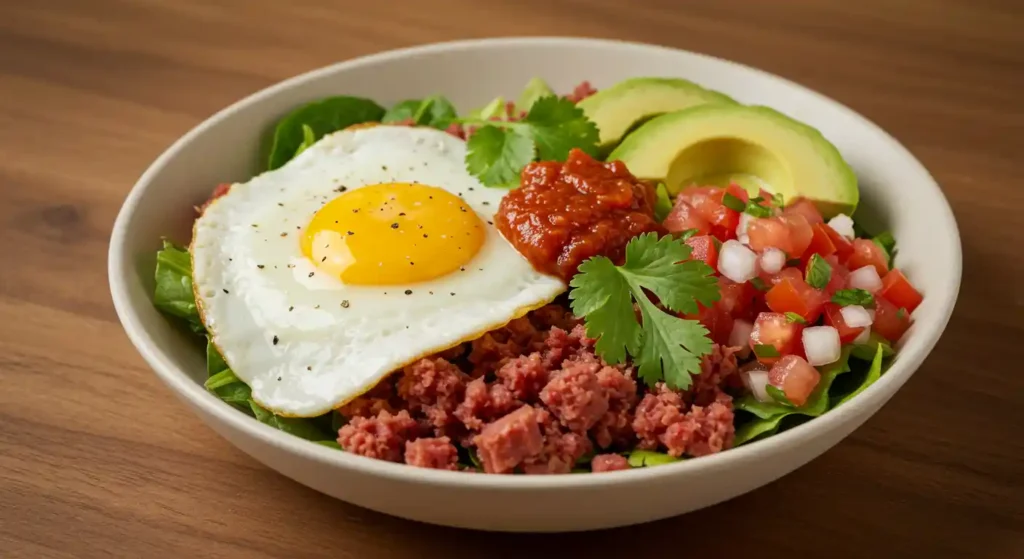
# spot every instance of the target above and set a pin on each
(821, 244)
(795, 377)
(794, 295)
(707, 201)
(790, 233)
(738, 191)
(834, 318)
(703, 248)
(837, 280)
(844, 248)
(890, 321)
(867, 253)
(737, 299)
(800, 234)
(717, 321)
(899, 291)
(776, 330)
(790, 272)
(684, 217)
(806, 208)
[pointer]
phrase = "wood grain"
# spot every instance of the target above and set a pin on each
(98, 459)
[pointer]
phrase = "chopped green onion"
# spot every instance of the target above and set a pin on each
(765, 350)
(778, 395)
(733, 202)
(759, 284)
(846, 297)
(793, 317)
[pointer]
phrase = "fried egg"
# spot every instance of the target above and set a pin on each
(369, 250)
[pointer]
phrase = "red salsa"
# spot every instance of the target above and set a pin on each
(567, 212)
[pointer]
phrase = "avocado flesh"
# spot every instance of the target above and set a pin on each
(535, 89)
(617, 109)
(756, 147)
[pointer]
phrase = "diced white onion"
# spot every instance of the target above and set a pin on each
(737, 262)
(744, 238)
(863, 337)
(871, 313)
(821, 345)
(856, 316)
(756, 380)
(865, 278)
(740, 336)
(773, 260)
(843, 225)
(741, 229)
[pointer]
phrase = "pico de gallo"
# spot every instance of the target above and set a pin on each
(799, 294)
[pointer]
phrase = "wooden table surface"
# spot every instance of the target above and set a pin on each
(98, 459)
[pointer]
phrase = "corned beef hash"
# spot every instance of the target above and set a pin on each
(588, 282)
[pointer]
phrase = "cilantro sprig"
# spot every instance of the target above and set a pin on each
(499, 150)
(663, 346)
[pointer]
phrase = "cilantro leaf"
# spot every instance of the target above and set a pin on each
(558, 125)
(670, 348)
(496, 156)
(794, 317)
(664, 347)
(662, 202)
(661, 266)
(733, 202)
(860, 297)
(600, 293)
(755, 209)
(766, 350)
(778, 395)
(819, 272)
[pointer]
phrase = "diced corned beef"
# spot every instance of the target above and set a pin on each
(608, 463)
(718, 370)
(433, 387)
(505, 443)
(662, 418)
(453, 353)
(615, 427)
(581, 92)
(484, 403)
(380, 397)
(522, 332)
(707, 429)
(524, 376)
(562, 345)
(575, 396)
(488, 353)
(561, 449)
(456, 129)
(382, 437)
(438, 453)
(553, 315)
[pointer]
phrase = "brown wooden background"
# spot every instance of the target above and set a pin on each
(98, 459)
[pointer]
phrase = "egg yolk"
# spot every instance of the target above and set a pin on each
(395, 233)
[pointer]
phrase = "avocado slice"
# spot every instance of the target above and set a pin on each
(755, 146)
(620, 108)
(495, 108)
(535, 89)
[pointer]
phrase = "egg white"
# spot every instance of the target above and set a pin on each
(306, 343)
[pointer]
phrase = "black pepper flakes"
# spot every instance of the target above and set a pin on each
(278, 379)
(355, 211)
(411, 263)
(401, 214)
(471, 189)
(311, 274)
(486, 203)
(490, 223)
(309, 367)
(226, 291)
(424, 235)
(341, 189)
(284, 234)
(275, 340)
(394, 226)
(452, 293)
(408, 292)
(462, 209)
(280, 204)
(254, 225)
(430, 292)
(383, 167)
(324, 259)
(290, 309)
(462, 269)
(351, 232)
(345, 304)
(260, 266)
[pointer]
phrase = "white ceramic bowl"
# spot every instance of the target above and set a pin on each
(897, 192)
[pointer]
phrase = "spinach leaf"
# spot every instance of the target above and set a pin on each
(173, 293)
(761, 427)
(300, 427)
(866, 351)
(644, 458)
(214, 362)
(226, 386)
(308, 139)
(322, 117)
(662, 203)
(330, 444)
(435, 111)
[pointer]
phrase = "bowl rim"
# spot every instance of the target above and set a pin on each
(119, 269)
